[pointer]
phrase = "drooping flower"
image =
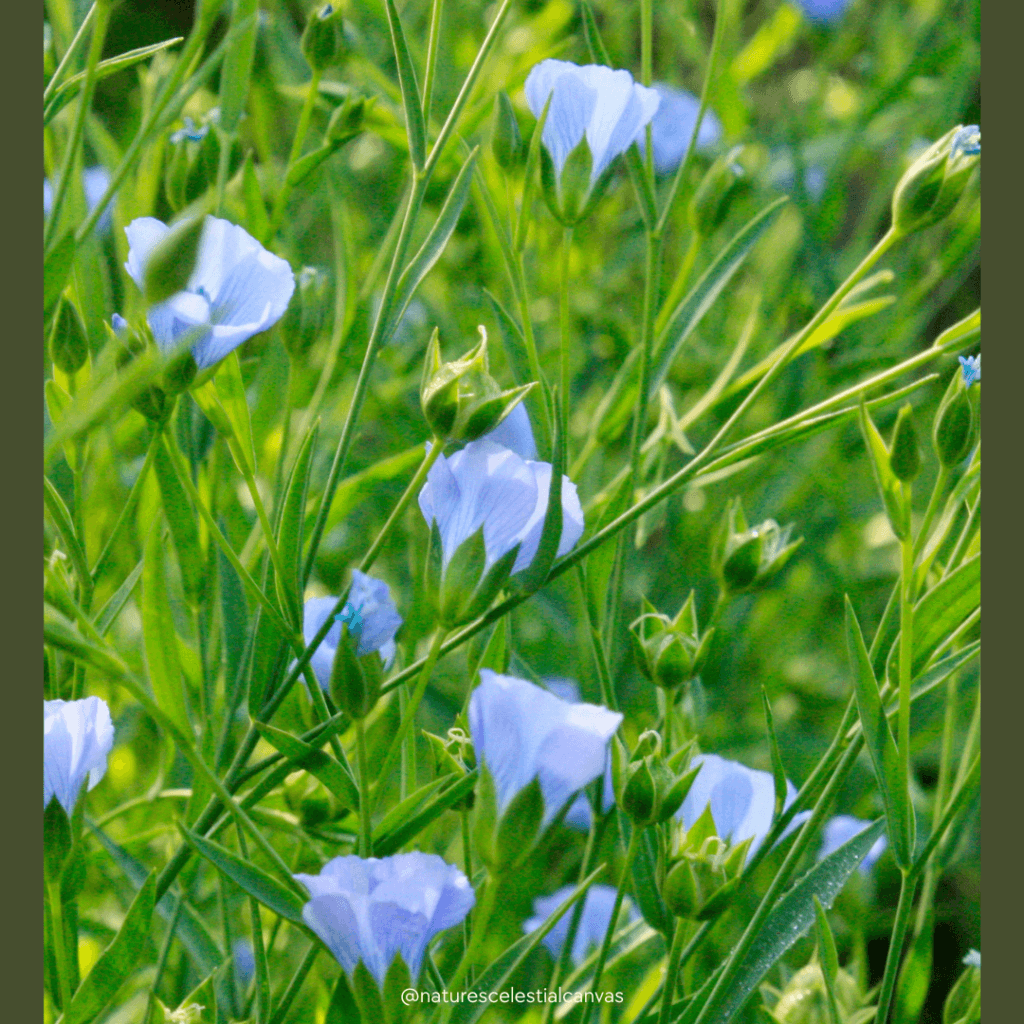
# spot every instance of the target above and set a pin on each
(376, 909)
(579, 814)
(823, 12)
(370, 615)
(970, 367)
(599, 903)
(606, 106)
(236, 290)
(742, 800)
(522, 732)
(672, 127)
(841, 829)
(77, 737)
(487, 485)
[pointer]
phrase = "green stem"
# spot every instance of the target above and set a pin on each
(563, 331)
(410, 712)
(528, 336)
(604, 675)
(223, 164)
(365, 826)
(165, 949)
(63, 182)
(483, 918)
(403, 503)
(906, 648)
(59, 951)
(674, 956)
(675, 293)
(301, 129)
(72, 49)
(892, 961)
(288, 997)
(963, 540)
(436, 8)
(602, 956)
(293, 613)
(941, 479)
(646, 40)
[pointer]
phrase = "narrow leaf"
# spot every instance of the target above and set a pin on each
(237, 66)
(56, 267)
(386, 843)
(829, 960)
(61, 517)
(256, 219)
(109, 612)
(184, 529)
(414, 126)
(293, 516)
(318, 763)
(778, 770)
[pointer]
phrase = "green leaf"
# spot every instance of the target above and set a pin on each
(880, 743)
(529, 179)
(705, 292)
(944, 607)
(256, 218)
(778, 770)
(601, 563)
(414, 127)
(293, 516)
(318, 763)
(789, 919)
(58, 401)
(645, 880)
(231, 392)
(237, 66)
(362, 485)
(118, 961)
(306, 165)
(434, 244)
(160, 637)
(343, 1008)
(961, 334)
(253, 880)
(388, 840)
(109, 612)
(182, 521)
(889, 488)
(56, 268)
(494, 978)
(624, 942)
(68, 90)
(495, 655)
(829, 960)
(61, 517)
(268, 655)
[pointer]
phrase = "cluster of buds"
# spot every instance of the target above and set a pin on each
(935, 181)
(747, 557)
(650, 788)
(669, 652)
(729, 177)
(461, 400)
(704, 872)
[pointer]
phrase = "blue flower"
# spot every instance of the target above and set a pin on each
(189, 132)
(970, 366)
(370, 606)
(522, 732)
(374, 910)
(578, 816)
(742, 800)
(597, 911)
(973, 959)
(245, 960)
(236, 290)
(77, 737)
(487, 485)
(515, 433)
(823, 12)
(672, 127)
(966, 142)
(606, 106)
(95, 181)
(841, 829)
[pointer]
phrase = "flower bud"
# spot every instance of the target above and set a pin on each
(935, 181)
(651, 789)
(347, 119)
(304, 319)
(356, 682)
(461, 401)
(954, 429)
(905, 454)
(669, 652)
(323, 41)
(69, 344)
(727, 178)
(506, 140)
(748, 557)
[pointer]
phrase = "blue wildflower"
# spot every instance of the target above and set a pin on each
(77, 737)
(245, 960)
(597, 911)
(190, 132)
(522, 732)
(973, 959)
(95, 182)
(672, 127)
(970, 366)
(236, 290)
(375, 910)
(966, 142)
(841, 829)
(515, 433)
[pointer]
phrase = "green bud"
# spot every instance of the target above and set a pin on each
(171, 264)
(955, 428)
(307, 312)
(649, 788)
(323, 41)
(638, 799)
(347, 120)
(56, 839)
(460, 399)
(669, 652)
(747, 557)
(727, 178)
(465, 590)
(69, 344)
(804, 1000)
(935, 181)
(506, 140)
(680, 890)
(355, 682)
(571, 196)
(905, 454)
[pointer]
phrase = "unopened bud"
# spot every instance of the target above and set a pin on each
(69, 344)
(955, 428)
(307, 312)
(905, 454)
(506, 139)
(323, 41)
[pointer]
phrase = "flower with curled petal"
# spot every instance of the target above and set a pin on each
(841, 829)
(486, 485)
(605, 106)
(522, 732)
(77, 737)
(742, 800)
(370, 615)
(374, 910)
(597, 911)
(236, 290)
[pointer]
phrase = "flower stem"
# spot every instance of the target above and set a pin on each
(899, 931)
(674, 955)
(906, 649)
(602, 957)
(59, 951)
(436, 8)
(675, 293)
(483, 918)
(365, 828)
(941, 479)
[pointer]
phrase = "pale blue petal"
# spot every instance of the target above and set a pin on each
(314, 615)
(47, 197)
(77, 737)
(622, 111)
(572, 517)
(824, 11)
(144, 235)
(333, 919)
(598, 905)
(672, 127)
(760, 810)
(380, 618)
(840, 830)
(515, 433)
(572, 106)
(95, 181)
(730, 800)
